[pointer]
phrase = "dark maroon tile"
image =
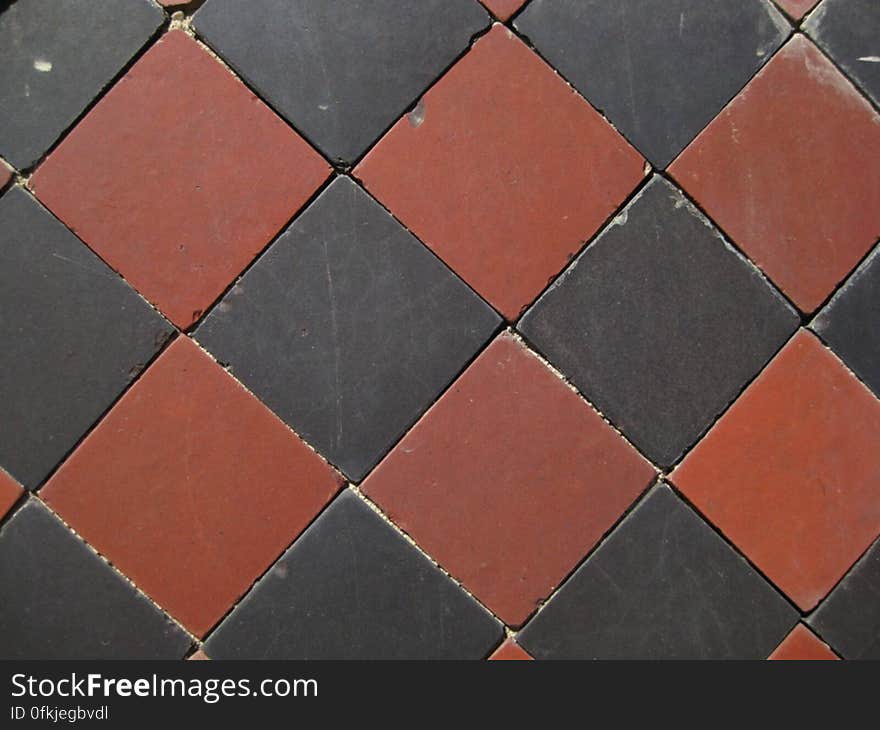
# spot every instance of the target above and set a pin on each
(191, 486)
(491, 201)
(788, 170)
(789, 473)
(509, 456)
(178, 192)
(802, 645)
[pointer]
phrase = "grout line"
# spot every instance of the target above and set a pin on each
(99, 95)
(104, 559)
(374, 506)
(100, 418)
(633, 506)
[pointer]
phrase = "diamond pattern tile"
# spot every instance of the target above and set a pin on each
(796, 9)
(659, 71)
(507, 456)
(848, 323)
(219, 174)
(61, 601)
(802, 645)
(10, 493)
(850, 618)
(847, 31)
(503, 9)
(663, 586)
(74, 336)
(660, 323)
(348, 328)
(790, 472)
(354, 588)
(486, 195)
(788, 171)
(341, 72)
(191, 487)
(510, 651)
(46, 78)
(450, 329)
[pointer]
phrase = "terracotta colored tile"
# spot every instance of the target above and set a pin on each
(190, 486)
(510, 651)
(796, 9)
(788, 170)
(660, 71)
(10, 492)
(179, 191)
(802, 645)
(341, 72)
(61, 601)
(487, 195)
(663, 585)
(508, 480)
(199, 656)
(503, 9)
(790, 472)
(847, 31)
(352, 587)
(5, 174)
(850, 617)
(57, 57)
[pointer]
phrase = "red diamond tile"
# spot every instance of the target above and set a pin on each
(503, 170)
(788, 170)
(503, 9)
(5, 174)
(797, 9)
(190, 486)
(791, 473)
(802, 645)
(179, 177)
(509, 480)
(510, 651)
(10, 491)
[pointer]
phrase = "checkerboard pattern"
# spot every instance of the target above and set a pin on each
(529, 329)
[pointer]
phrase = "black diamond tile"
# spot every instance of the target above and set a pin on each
(348, 328)
(73, 335)
(61, 601)
(353, 588)
(660, 71)
(341, 72)
(660, 323)
(662, 586)
(55, 57)
(848, 30)
(849, 619)
(850, 323)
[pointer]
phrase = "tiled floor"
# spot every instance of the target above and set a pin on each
(432, 329)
